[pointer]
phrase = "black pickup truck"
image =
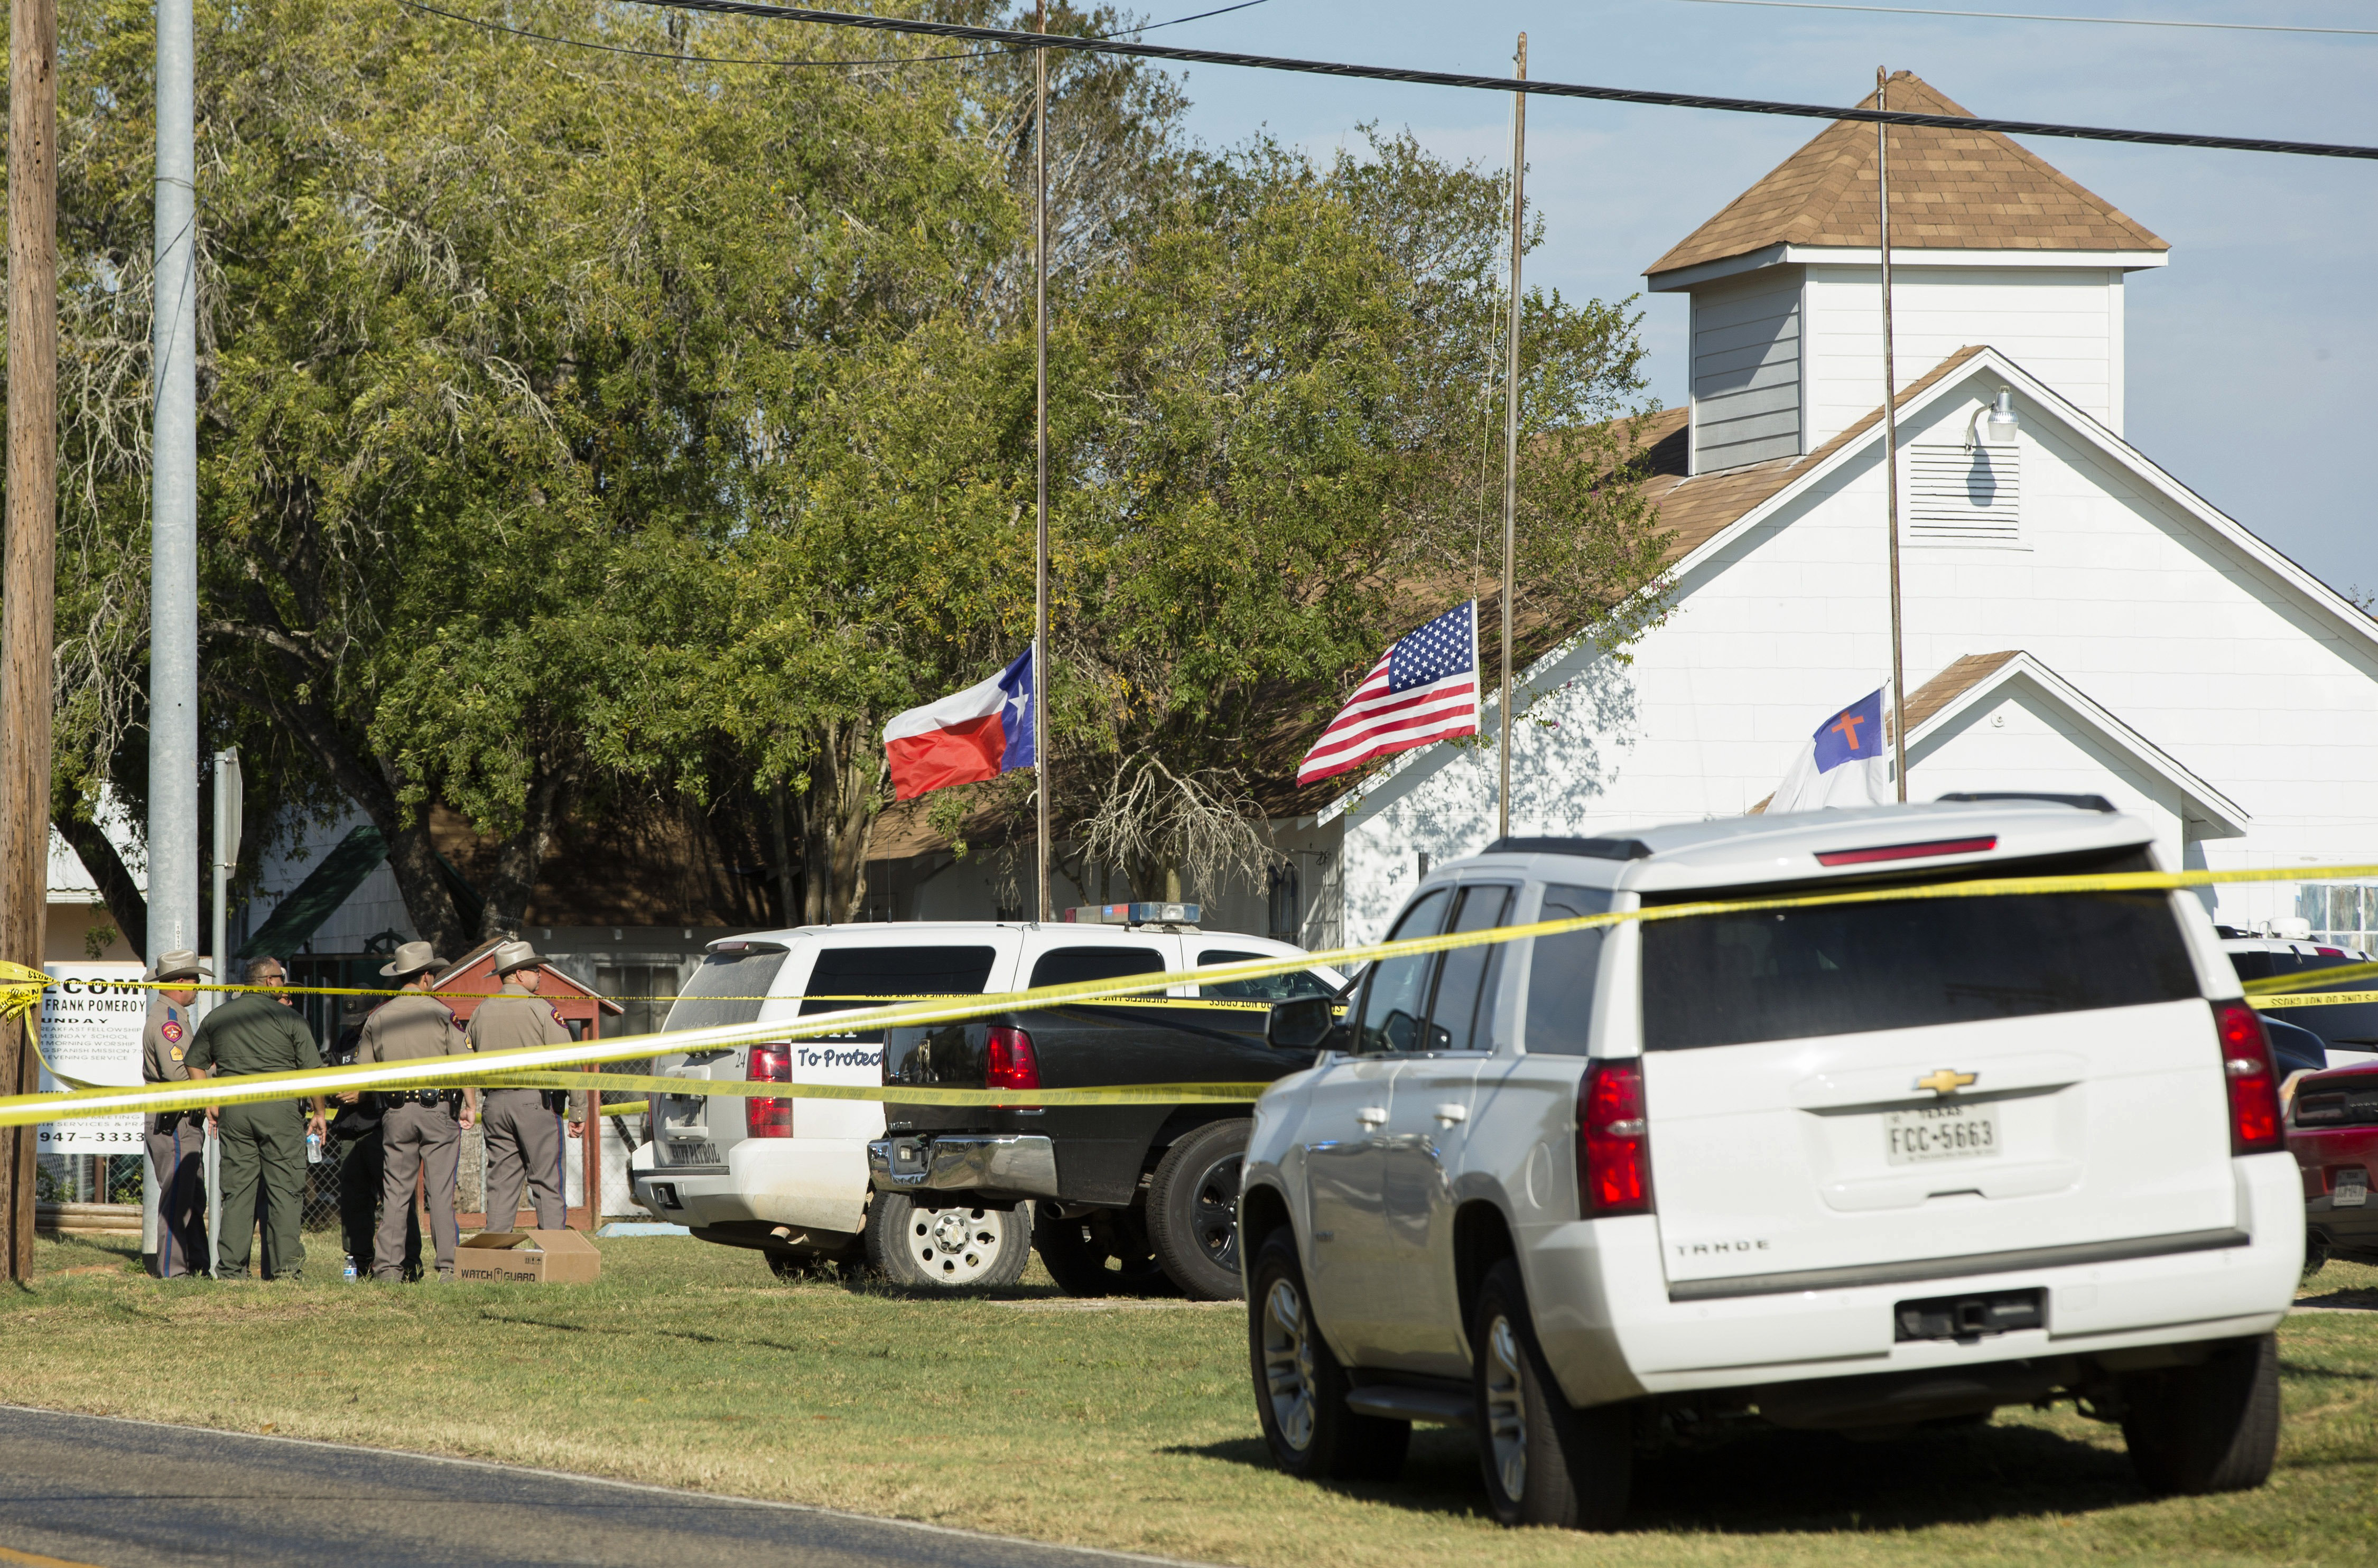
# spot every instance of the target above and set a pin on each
(1124, 1197)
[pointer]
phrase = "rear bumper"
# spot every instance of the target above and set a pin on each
(2322, 1155)
(805, 1184)
(1608, 1323)
(1021, 1164)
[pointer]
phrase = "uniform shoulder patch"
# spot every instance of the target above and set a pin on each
(176, 1052)
(558, 1018)
(171, 1032)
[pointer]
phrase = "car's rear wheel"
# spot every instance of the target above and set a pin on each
(1544, 1462)
(947, 1248)
(2214, 1427)
(1300, 1387)
(1104, 1252)
(1193, 1210)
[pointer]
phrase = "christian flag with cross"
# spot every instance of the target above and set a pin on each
(1424, 687)
(1845, 762)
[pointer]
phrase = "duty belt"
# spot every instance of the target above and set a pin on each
(418, 1096)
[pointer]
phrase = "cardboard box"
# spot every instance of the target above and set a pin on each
(529, 1257)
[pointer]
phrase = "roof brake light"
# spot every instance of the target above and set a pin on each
(1908, 851)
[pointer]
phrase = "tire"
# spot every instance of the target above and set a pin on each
(947, 1249)
(1193, 1211)
(2208, 1428)
(1301, 1389)
(1544, 1462)
(1078, 1252)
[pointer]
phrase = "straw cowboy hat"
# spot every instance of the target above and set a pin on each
(515, 955)
(180, 964)
(411, 960)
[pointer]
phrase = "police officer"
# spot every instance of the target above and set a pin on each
(356, 1130)
(177, 1139)
(523, 1126)
(419, 1131)
(263, 1144)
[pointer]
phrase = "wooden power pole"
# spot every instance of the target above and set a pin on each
(27, 628)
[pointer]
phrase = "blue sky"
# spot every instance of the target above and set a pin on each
(2239, 352)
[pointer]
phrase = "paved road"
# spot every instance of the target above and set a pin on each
(85, 1489)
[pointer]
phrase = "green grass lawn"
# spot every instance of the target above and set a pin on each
(1129, 1426)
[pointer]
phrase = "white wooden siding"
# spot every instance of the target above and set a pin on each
(1746, 371)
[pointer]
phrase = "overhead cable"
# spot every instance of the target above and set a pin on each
(739, 60)
(2041, 17)
(1506, 84)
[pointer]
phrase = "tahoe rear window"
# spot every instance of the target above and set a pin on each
(1071, 965)
(1848, 969)
(885, 974)
(729, 987)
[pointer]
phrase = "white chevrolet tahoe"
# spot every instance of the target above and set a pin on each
(788, 1176)
(1856, 1167)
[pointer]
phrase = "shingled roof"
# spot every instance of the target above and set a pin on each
(1949, 189)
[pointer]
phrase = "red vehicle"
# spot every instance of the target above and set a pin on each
(2333, 1132)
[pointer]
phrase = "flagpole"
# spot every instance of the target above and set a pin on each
(1511, 433)
(1890, 443)
(1042, 910)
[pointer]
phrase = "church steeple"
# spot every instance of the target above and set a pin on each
(1990, 244)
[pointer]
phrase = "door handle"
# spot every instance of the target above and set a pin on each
(1372, 1115)
(1451, 1113)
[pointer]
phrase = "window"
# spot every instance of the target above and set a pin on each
(1396, 996)
(1272, 988)
(729, 988)
(1284, 905)
(1963, 494)
(1561, 973)
(1461, 1017)
(1070, 966)
(1839, 969)
(886, 973)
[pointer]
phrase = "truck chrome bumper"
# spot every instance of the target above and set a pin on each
(1021, 1163)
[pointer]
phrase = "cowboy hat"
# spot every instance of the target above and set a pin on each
(411, 960)
(515, 955)
(180, 964)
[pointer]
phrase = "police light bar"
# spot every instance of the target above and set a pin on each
(1133, 915)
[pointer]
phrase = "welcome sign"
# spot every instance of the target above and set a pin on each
(91, 1021)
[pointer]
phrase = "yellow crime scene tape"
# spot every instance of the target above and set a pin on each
(500, 1069)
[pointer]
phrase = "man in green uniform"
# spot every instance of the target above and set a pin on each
(177, 1139)
(523, 1126)
(264, 1141)
(419, 1134)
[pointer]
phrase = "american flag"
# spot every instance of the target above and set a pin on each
(1422, 688)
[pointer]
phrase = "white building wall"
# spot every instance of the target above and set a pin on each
(2124, 594)
(2064, 325)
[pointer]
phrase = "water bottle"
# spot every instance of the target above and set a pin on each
(313, 1148)
(351, 1268)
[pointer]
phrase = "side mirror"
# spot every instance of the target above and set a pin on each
(1304, 1025)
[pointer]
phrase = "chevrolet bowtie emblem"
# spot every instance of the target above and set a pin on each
(1945, 1081)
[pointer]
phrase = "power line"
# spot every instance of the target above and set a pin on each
(1506, 84)
(2038, 17)
(734, 59)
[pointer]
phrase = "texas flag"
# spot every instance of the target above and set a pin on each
(1845, 762)
(979, 734)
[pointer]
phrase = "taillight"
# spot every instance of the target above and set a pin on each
(2253, 1079)
(1614, 1144)
(1012, 1065)
(769, 1118)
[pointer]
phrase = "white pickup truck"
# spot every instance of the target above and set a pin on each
(1858, 1167)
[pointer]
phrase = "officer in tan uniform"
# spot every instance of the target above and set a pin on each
(419, 1131)
(177, 1139)
(523, 1126)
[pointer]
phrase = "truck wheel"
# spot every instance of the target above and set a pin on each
(2208, 1428)
(1193, 1210)
(1300, 1387)
(1545, 1464)
(1078, 1253)
(947, 1248)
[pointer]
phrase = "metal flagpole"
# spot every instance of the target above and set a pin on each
(1511, 432)
(1040, 443)
(1890, 441)
(173, 570)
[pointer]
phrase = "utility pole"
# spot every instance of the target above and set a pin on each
(1512, 429)
(1042, 910)
(1890, 442)
(28, 626)
(174, 506)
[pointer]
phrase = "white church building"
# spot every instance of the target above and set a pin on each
(2077, 620)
